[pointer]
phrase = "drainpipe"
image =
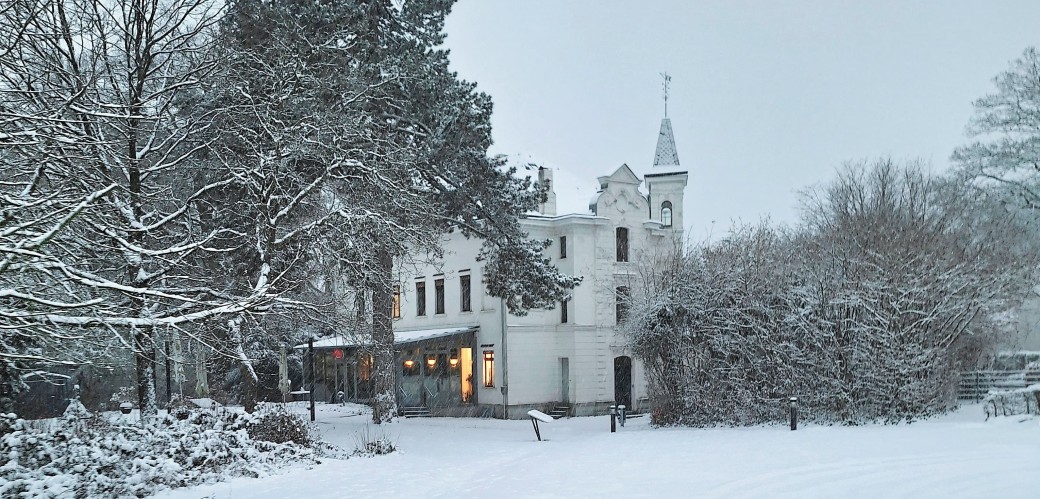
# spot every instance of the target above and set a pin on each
(505, 363)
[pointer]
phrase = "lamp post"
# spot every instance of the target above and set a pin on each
(310, 353)
(794, 413)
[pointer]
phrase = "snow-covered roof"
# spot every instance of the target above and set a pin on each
(400, 337)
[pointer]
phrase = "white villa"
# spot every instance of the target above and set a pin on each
(462, 353)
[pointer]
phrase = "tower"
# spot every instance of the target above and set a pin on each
(666, 180)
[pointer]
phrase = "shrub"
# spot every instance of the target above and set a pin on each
(98, 457)
(274, 423)
(370, 444)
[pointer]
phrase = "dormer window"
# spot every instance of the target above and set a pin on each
(666, 213)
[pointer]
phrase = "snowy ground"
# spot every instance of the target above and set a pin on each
(958, 455)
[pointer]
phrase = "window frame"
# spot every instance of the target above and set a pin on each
(465, 293)
(563, 312)
(397, 302)
(488, 368)
(621, 243)
(438, 298)
(420, 298)
(621, 297)
(563, 247)
(666, 208)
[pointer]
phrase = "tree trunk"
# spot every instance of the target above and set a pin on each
(144, 346)
(384, 404)
(245, 364)
(248, 386)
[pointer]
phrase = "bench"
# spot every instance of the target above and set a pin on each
(537, 416)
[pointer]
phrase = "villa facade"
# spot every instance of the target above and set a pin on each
(462, 353)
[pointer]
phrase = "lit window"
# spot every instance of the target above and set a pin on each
(621, 297)
(563, 312)
(365, 367)
(489, 368)
(420, 298)
(438, 291)
(666, 213)
(622, 244)
(464, 288)
(397, 302)
(411, 367)
(563, 247)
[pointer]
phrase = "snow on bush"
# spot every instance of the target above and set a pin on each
(94, 456)
(867, 313)
(274, 423)
(1013, 402)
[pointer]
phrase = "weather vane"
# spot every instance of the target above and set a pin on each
(667, 81)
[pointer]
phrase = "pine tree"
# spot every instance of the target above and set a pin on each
(419, 163)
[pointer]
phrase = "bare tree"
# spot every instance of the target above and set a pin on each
(94, 107)
(895, 281)
(1005, 153)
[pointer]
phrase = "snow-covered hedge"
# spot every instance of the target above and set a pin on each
(94, 456)
(1013, 402)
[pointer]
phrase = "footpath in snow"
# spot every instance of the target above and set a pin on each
(958, 455)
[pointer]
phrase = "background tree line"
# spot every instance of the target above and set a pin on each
(893, 282)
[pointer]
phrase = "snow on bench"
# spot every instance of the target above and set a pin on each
(537, 416)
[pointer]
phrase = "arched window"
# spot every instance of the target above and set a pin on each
(666, 213)
(622, 244)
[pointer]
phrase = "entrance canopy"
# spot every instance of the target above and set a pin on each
(401, 338)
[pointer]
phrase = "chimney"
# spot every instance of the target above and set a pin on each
(545, 177)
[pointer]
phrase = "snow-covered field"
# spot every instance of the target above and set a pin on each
(958, 455)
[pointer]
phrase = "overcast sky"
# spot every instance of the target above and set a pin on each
(767, 97)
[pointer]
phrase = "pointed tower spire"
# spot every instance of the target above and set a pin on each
(666, 154)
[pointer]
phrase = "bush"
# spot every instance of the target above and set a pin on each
(370, 444)
(97, 457)
(1012, 402)
(274, 423)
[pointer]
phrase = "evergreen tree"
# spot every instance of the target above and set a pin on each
(406, 138)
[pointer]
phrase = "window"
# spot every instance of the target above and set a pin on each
(397, 302)
(420, 298)
(489, 368)
(666, 213)
(464, 289)
(563, 312)
(563, 247)
(411, 367)
(622, 244)
(621, 296)
(438, 292)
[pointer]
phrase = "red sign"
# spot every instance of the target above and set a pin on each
(337, 354)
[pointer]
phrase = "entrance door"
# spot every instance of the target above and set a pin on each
(623, 381)
(565, 380)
